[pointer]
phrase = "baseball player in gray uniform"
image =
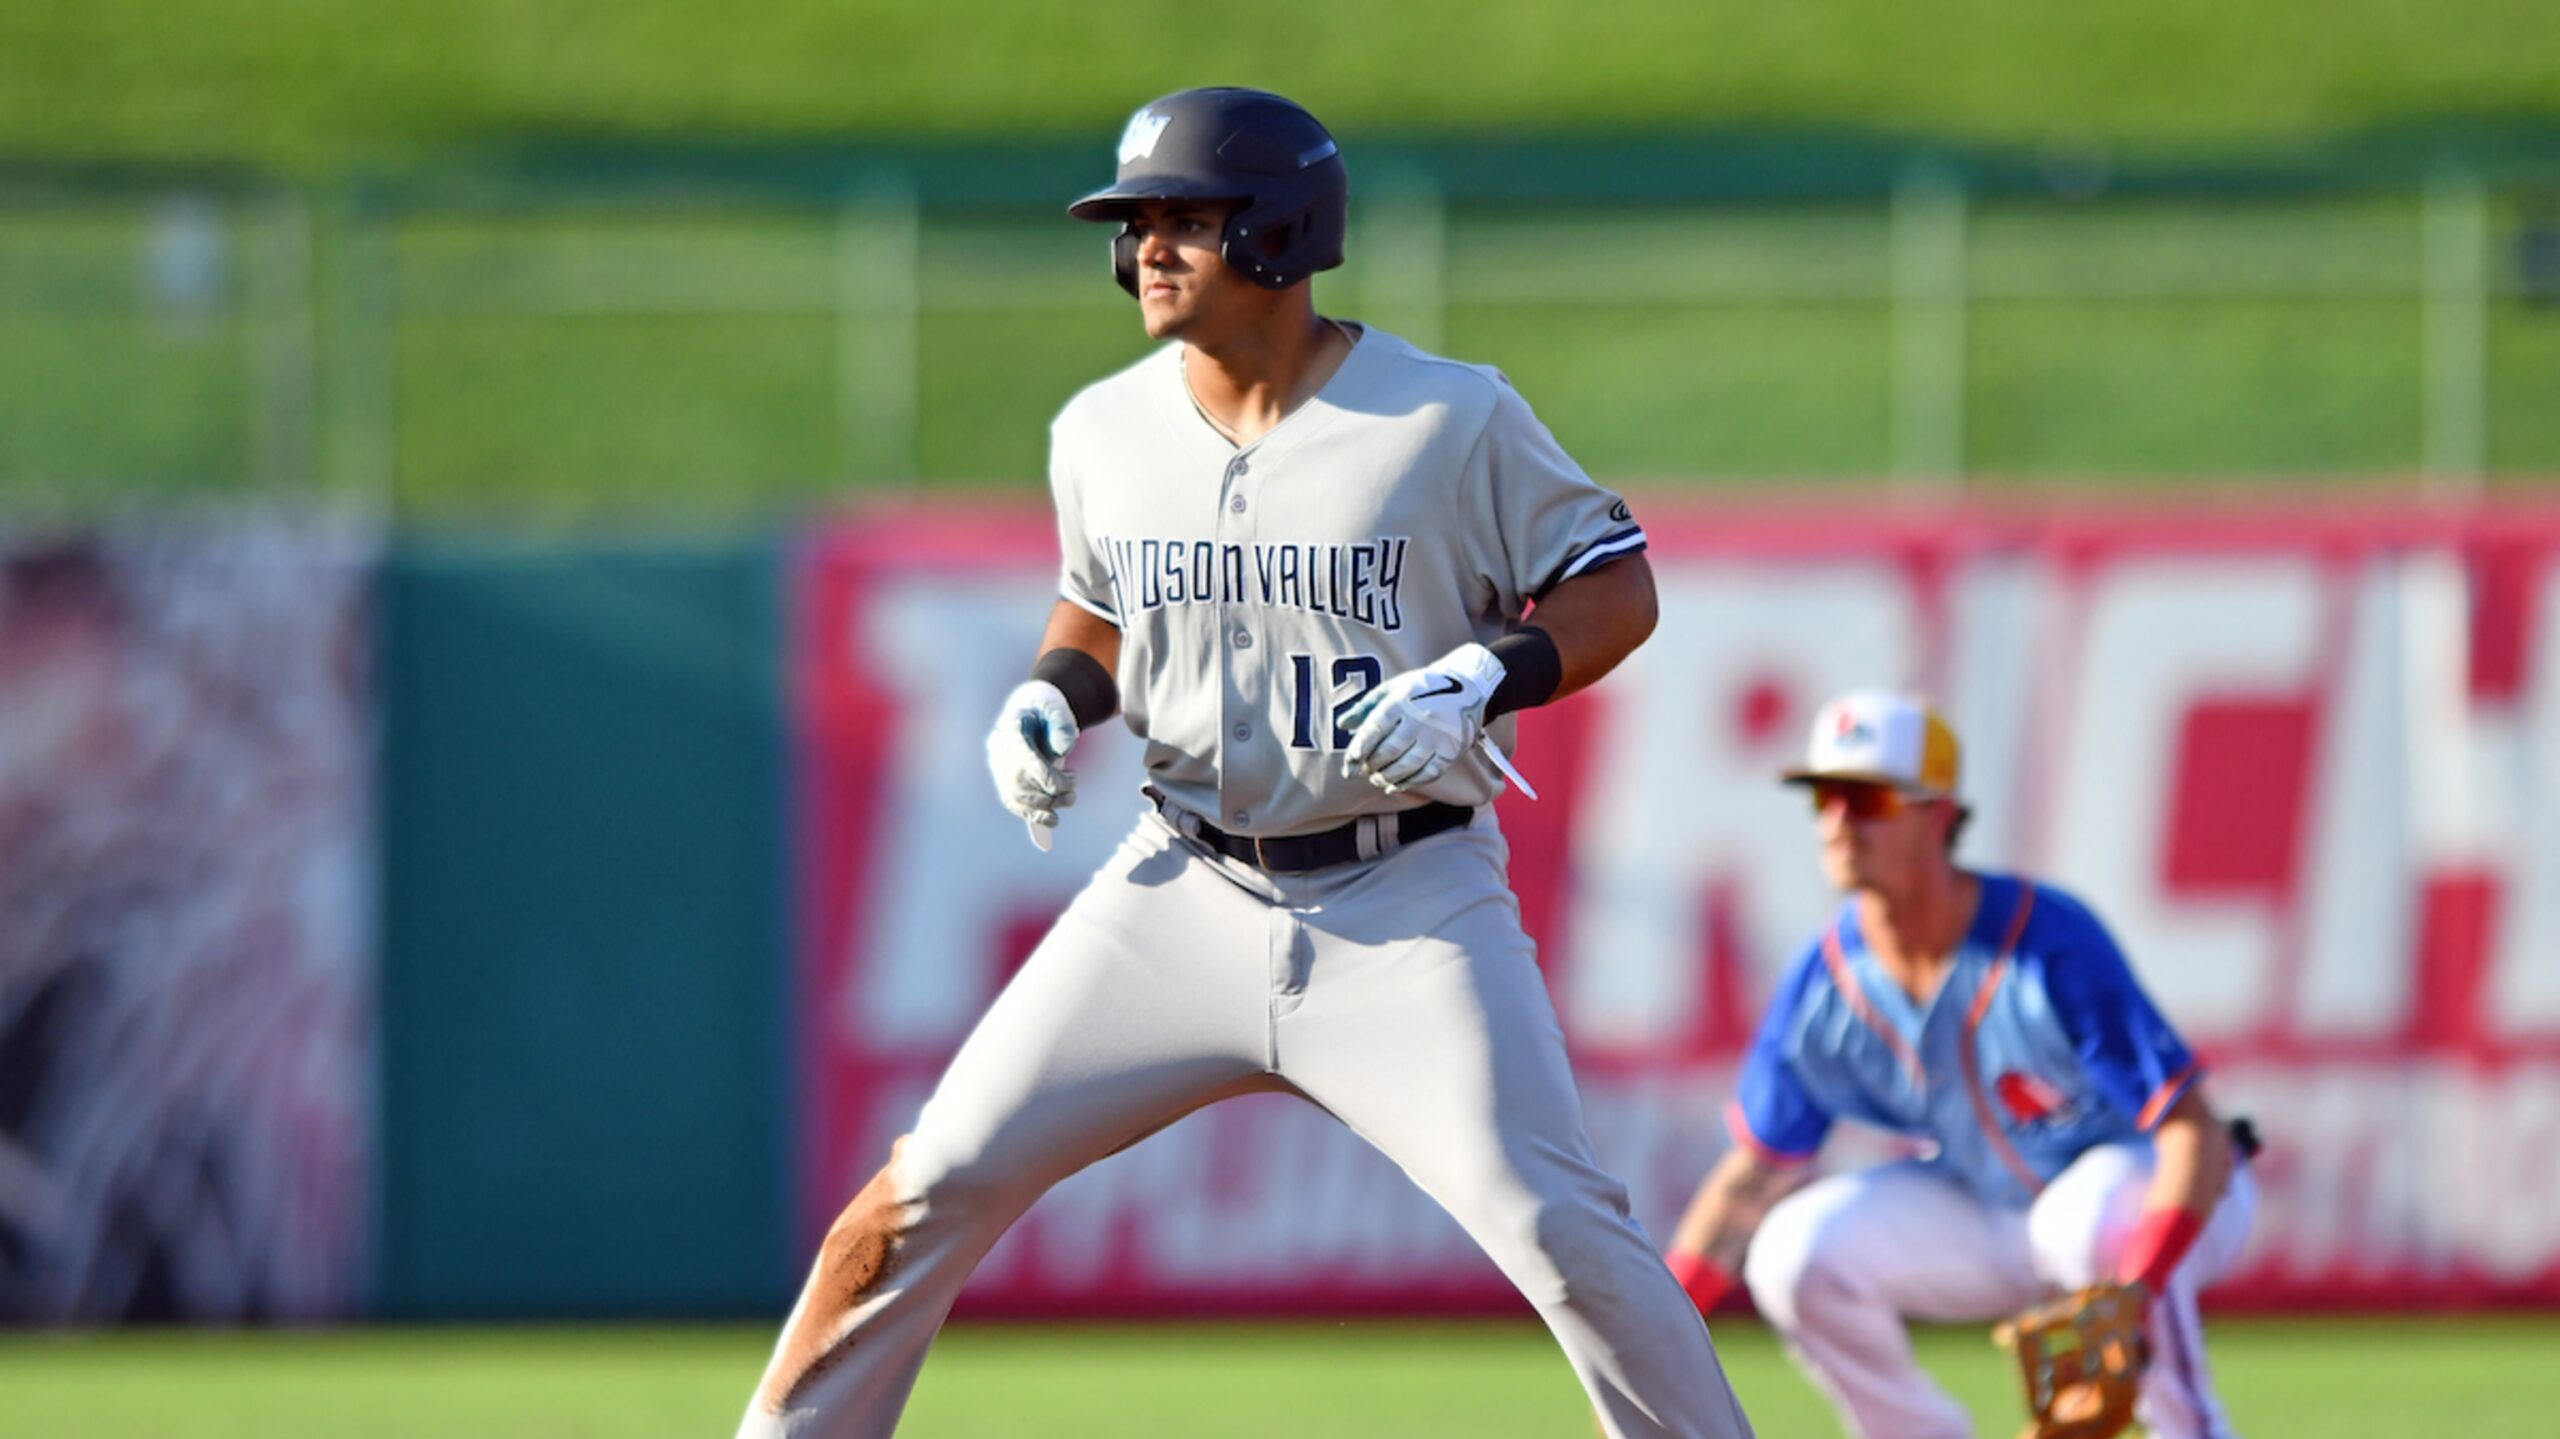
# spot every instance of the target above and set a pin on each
(1296, 558)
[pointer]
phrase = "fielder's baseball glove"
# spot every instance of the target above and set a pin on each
(2083, 1356)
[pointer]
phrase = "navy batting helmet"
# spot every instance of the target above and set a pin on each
(1235, 145)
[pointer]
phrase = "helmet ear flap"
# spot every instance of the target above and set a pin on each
(1284, 238)
(1255, 242)
(1124, 259)
(1239, 247)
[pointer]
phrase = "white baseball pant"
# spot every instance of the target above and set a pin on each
(1401, 995)
(1839, 1266)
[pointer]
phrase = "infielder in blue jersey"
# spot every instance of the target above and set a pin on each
(2066, 1140)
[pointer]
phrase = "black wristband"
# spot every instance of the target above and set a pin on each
(1091, 696)
(1531, 670)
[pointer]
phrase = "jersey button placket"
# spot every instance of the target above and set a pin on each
(1235, 698)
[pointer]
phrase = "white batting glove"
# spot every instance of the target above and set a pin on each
(1408, 731)
(1027, 751)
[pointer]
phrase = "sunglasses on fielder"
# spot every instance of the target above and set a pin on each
(1862, 799)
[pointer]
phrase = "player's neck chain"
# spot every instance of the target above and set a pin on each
(1231, 436)
(1235, 437)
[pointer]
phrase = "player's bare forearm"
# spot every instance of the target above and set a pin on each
(1076, 628)
(2192, 1157)
(1597, 618)
(1728, 1207)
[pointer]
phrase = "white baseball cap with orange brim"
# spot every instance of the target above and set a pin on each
(1881, 737)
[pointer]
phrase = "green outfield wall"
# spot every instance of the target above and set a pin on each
(582, 1097)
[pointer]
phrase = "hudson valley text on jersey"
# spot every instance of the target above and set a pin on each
(1358, 582)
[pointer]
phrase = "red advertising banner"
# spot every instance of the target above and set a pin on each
(2306, 763)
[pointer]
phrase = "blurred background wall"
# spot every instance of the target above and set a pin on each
(512, 517)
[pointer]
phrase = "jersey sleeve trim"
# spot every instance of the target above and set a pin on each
(2017, 930)
(2157, 1107)
(1740, 1128)
(1599, 552)
(1095, 608)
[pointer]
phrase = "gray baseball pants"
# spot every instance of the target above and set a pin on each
(1400, 994)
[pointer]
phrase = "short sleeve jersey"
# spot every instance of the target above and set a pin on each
(1412, 505)
(2038, 1045)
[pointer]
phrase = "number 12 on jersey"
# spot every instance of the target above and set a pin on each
(1352, 676)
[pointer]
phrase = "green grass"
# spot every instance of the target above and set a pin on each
(2288, 1379)
(319, 82)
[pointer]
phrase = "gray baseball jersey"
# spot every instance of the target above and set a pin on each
(1412, 505)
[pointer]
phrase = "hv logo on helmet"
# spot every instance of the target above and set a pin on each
(1139, 140)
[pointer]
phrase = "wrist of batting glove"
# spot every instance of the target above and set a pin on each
(1408, 731)
(1027, 752)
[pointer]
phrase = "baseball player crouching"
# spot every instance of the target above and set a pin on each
(1296, 557)
(1992, 1017)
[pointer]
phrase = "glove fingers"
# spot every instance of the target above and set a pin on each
(1365, 736)
(1054, 790)
(1409, 767)
(1043, 786)
(1004, 763)
(1417, 768)
(1401, 740)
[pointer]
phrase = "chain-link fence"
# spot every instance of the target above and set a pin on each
(594, 348)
